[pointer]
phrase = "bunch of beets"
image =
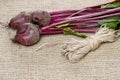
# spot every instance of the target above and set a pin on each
(30, 25)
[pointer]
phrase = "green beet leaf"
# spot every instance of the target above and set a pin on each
(114, 5)
(114, 17)
(111, 25)
(62, 25)
(70, 31)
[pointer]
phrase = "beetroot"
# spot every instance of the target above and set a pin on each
(20, 19)
(41, 18)
(27, 34)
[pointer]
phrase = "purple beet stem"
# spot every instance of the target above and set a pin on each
(78, 12)
(60, 17)
(104, 16)
(87, 25)
(58, 14)
(67, 11)
(94, 21)
(84, 16)
(96, 14)
(97, 19)
(61, 31)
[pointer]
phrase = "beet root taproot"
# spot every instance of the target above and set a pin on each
(21, 18)
(27, 34)
(41, 18)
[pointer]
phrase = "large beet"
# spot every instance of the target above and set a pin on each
(42, 18)
(20, 19)
(27, 34)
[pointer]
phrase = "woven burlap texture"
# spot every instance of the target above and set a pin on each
(18, 62)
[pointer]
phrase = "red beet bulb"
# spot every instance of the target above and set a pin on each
(41, 18)
(27, 34)
(20, 19)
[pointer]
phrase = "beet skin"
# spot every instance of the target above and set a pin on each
(27, 34)
(41, 18)
(20, 19)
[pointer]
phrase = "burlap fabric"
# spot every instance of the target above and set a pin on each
(18, 62)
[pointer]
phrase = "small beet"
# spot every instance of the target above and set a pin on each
(27, 34)
(41, 18)
(20, 19)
